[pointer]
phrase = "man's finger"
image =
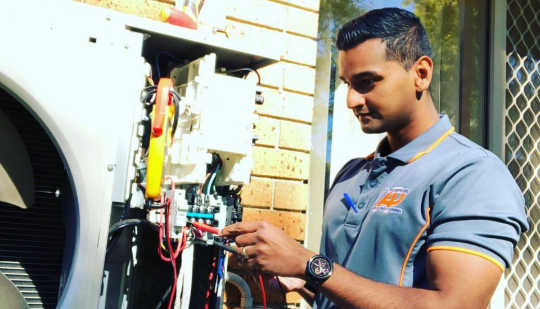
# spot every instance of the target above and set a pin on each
(242, 251)
(246, 239)
(239, 228)
(247, 252)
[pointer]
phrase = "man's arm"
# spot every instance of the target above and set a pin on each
(456, 280)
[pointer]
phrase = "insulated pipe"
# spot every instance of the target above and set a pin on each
(246, 301)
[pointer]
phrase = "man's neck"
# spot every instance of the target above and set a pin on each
(423, 118)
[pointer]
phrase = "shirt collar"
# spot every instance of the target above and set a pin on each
(422, 144)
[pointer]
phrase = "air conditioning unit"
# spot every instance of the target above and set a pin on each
(70, 83)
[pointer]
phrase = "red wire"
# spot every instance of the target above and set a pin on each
(160, 253)
(210, 278)
(262, 291)
(172, 259)
(180, 246)
(160, 237)
(205, 227)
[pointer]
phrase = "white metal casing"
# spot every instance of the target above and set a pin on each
(79, 73)
(216, 115)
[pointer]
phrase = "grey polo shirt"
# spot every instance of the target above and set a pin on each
(439, 192)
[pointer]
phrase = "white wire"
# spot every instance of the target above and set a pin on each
(187, 275)
(221, 286)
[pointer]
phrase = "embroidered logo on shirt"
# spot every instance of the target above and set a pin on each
(391, 198)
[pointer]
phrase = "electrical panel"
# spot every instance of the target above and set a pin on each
(193, 154)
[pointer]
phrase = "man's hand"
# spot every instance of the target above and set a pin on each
(269, 249)
(291, 284)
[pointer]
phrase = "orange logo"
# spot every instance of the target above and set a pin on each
(393, 197)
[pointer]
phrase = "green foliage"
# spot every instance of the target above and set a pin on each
(334, 13)
(441, 21)
(441, 18)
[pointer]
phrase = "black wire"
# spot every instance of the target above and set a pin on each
(148, 92)
(237, 190)
(175, 94)
(215, 165)
(218, 244)
(164, 297)
(176, 101)
(146, 95)
(149, 88)
(217, 169)
(123, 224)
(129, 222)
(247, 70)
(150, 205)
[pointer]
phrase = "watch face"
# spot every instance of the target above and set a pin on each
(320, 267)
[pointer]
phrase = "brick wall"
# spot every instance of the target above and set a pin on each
(278, 192)
(279, 187)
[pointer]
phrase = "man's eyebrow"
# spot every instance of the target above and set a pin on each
(367, 74)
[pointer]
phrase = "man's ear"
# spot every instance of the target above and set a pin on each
(423, 72)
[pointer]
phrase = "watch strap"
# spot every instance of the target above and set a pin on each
(312, 287)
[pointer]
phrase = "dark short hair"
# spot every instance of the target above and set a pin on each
(405, 37)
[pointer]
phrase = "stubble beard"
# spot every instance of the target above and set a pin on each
(371, 126)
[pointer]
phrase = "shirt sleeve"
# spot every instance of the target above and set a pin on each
(477, 209)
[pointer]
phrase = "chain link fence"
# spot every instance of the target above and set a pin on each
(522, 149)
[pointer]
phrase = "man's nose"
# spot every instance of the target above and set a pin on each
(355, 99)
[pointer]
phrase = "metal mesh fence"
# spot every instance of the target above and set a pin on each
(522, 149)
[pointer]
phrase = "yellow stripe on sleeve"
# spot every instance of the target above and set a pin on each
(482, 255)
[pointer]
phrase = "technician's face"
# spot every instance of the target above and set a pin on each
(381, 93)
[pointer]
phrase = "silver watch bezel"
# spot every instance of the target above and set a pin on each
(319, 278)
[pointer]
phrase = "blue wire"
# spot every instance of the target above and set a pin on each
(220, 265)
(210, 182)
(219, 273)
(212, 179)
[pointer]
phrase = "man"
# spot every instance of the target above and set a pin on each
(430, 220)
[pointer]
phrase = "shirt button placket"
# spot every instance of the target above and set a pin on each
(379, 166)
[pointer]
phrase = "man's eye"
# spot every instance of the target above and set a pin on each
(364, 85)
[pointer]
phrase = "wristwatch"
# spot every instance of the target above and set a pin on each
(318, 269)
